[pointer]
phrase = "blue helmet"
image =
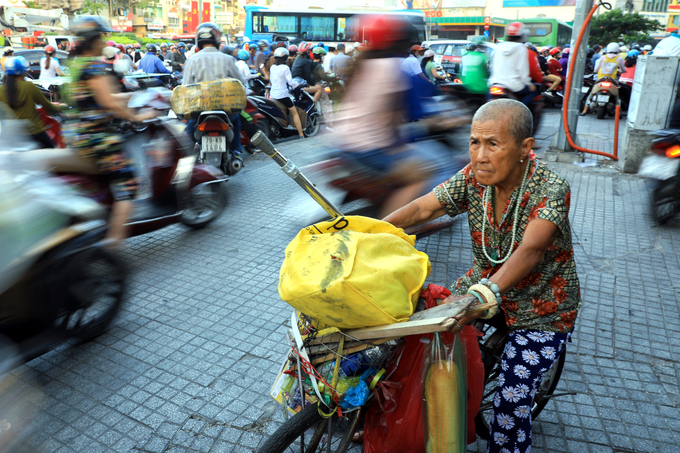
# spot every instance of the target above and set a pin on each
(321, 45)
(243, 54)
(16, 66)
(634, 53)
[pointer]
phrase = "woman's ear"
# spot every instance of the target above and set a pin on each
(527, 145)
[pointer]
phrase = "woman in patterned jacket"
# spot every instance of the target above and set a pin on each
(523, 256)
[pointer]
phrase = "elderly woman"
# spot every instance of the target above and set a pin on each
(518, 216)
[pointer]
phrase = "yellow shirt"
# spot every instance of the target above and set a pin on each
(28, 95)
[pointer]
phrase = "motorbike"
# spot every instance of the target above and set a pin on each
(536, 106)
(173, 187)
(57, 280)
(214, 134)
(276, 124)
(457, 89)
(661, 166)
(257, 85)
(605, 100)
(249, 129)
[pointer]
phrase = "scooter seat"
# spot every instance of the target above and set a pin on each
(277, 104)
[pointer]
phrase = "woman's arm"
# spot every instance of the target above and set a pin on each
(40, 99)
(102, 87)
(436, 76)
(417, 212)
(535, 243)
(58, 68)
(289, 78)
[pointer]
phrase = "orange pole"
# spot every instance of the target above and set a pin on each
(567, 93)
(616, 132)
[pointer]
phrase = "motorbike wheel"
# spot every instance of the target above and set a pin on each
(95, 282)
(293, 434)
(206, 203)
(492, 345)
(313, 125)
(664, 206)
(601, 111)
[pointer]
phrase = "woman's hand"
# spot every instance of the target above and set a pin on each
(465, 320)
(145, 115)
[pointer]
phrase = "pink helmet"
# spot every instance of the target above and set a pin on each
(110, 43)
(292, 48)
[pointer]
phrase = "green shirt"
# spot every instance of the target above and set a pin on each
(428, 70)
(475, 72)
(549, 297)
(28, 95)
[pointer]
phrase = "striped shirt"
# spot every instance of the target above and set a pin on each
(210, 64)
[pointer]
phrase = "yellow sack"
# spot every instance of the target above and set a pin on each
(353, 272)
(224, 94)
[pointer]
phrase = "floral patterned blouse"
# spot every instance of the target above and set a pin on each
(550, 296)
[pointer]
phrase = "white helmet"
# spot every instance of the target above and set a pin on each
(612, 47)
(647, 47)
(281, 52)
(624, 49)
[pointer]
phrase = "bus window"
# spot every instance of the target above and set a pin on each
(341, 33)
(438, 49)
(539, 29)
(274, 23)
(317, 28)
(563, 35)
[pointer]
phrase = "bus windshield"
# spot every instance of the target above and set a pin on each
(538, 29)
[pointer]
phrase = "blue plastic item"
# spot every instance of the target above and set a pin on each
(354, 363)
(357, 396)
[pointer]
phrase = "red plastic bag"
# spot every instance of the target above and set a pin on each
(402, 429)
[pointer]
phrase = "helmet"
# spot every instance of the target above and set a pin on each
(109, 53)
(49, 49)
(90, 27)
(516, 29)
(7, 51)
(281, 52)
(388, 31)
(428, 53)
(147, 46)
(164, 45)
(263, 43)
(612, 47)
(188, 46)
(554, 51)
(110, 43)
(321, 45)
(415, 48)
(292, 48)
(566, 46)
(634, 53)
(120, 47)
(137, 45)
(621, 43)
(565, 51)
(304, 47)
(16, 66)
(128, 46)
(229, 50)
(208, 33)
(319, 51)
(471, 47)
(181, 45)
(349, 49)
(647, 48)
(243, 54)
(151, 48)
(624, 49)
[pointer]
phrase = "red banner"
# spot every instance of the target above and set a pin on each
(193, 17)
(206, 12)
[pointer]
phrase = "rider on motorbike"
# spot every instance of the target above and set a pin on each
(281, 80)
(609, 66)
(514, 67)
(88, 127)
(210, 64)
(304, 68)
(475, 69)
(151, 64)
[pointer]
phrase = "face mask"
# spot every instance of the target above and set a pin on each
(137, 50)
(181, 50)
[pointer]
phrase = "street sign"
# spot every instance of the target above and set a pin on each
(486, 33)
(486, 27)
(487, 20)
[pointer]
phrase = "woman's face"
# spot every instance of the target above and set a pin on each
(494, 152)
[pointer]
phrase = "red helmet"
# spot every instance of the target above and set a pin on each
(120, 47)
(137, 45)
(292, 48)
(304, 47)
(281, 44)
(49, 49)
(110, 43)
(555, 50)
(384, 32)
(515, 29)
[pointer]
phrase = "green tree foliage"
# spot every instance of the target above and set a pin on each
(615, 26)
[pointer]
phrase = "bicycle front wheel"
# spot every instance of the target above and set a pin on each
(310, 432)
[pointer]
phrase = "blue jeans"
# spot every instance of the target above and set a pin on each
(236, 128)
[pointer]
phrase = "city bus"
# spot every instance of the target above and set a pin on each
(317, 24)
(547, 32)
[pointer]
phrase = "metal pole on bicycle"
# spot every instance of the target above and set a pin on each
(292, 171)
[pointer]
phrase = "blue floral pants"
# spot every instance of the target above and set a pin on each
(527, 356)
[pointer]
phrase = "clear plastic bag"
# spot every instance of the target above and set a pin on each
(444, 400)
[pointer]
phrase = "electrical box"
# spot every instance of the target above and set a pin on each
(653, 94)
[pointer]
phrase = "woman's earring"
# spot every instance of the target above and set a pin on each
(521, 161)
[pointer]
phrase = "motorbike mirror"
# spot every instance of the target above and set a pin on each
(122, 65)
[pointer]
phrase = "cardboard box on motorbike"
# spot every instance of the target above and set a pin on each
(228, 95)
